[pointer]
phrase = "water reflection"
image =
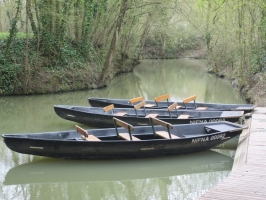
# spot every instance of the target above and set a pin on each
(124, 179)
(183, 78)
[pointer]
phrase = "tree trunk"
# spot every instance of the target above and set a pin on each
(207, 31)
(112, 48)
(76, 22)
(38, 35)
(144, 33)
(13, 30)
(33, 25)
(240, 42)
(26, 67)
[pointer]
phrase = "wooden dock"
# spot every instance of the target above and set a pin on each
(248, 178)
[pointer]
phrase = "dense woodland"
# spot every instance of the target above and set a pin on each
(51, 46)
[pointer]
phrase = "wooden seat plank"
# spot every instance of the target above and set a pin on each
(201, 108)
(150, 105)
(123, 124)
(107, 108)
(85, 134)
(192, 98)
(126, 136)
(139, 105)
(165, 134)
(120, 114)
(162, 97)
(137, 99)
(151, 115)
(92, 138)
(162, 123)
(183, 116)
(171, 107)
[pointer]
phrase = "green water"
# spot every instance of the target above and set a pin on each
(175, 177)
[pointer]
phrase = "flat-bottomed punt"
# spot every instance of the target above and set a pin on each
(160, 139)
(163, 102)
(103, 117)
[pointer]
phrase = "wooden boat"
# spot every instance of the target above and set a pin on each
(103, 117)
(60, 170)
(160, 139)
(163, 102)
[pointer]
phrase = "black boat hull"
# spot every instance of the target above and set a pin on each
(67, 144)
(124, 103)
(102, 120)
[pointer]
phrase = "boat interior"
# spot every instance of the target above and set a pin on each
(170, 112)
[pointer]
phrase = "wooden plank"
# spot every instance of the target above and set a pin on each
(82, 131)
(107, 108)
(120, 114)
(241, 151)
(160, 122)
(85, 134)
(171, 107)
(123, 124)
(151, 115)
(165, 134)
(162, 97)
(248, 180)
(238, 188)
(201, 108)
(92, 138)
(137, 99)
(150, 105)
(140, 105)
(126, 136)
(183, 116)
(192, 98)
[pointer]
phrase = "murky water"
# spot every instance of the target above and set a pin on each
(174, 177)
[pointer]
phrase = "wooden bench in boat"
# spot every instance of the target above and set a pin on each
(161, 98)
(111, 107)
(152, 115)
(193, 98)
(175, 106)
(183, 116)
(140, 99)
(125, 136)
(162, 134)
(85, 134)
(142, 104)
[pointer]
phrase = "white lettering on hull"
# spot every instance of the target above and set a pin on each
(206, 120)
(206, 139)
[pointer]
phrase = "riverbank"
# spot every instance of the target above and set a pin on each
(48, 81)
(255, 94)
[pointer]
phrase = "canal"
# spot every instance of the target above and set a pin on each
(173, 177)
